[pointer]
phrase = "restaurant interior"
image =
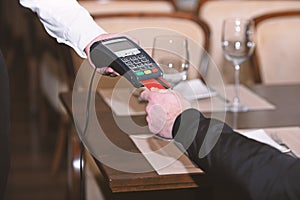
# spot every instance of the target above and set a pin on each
(46, 79)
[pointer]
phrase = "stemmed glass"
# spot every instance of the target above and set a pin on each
(238, 45)
(171, 54)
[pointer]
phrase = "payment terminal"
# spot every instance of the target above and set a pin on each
(129, 60)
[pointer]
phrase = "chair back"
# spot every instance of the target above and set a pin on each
(213, 12)
(276, 56)
(55, 69)
(127, 6)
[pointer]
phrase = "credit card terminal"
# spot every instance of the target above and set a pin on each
(129, 60)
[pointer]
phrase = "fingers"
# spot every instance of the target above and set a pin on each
(148, 95)
(145, 95)
(107, 71)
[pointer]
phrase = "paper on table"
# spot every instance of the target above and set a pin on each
(261, 136)
(288, 135)
(165, 157)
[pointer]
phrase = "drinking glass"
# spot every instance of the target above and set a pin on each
(238, 45)
(171, 54)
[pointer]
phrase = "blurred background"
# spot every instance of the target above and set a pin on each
(39, 124)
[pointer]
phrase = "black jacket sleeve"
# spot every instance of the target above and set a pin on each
(260, 171)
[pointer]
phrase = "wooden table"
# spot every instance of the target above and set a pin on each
(287, 113)
(286, 98)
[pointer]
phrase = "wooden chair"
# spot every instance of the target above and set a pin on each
(213, 12)
(55, 77)
(127, 6)
(52, 64)
(276, 56)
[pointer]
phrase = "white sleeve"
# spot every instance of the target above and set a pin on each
(66, 21)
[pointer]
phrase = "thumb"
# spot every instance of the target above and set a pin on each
(145, 95)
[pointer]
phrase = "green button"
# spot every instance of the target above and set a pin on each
(139, 73)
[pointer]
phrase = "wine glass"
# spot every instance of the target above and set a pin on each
(171, 54)
(238, 45)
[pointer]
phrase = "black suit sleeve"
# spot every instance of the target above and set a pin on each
(258, 170)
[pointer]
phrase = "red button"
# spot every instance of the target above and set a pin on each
(154, 70)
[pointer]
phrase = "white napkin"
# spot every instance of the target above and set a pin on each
(194, 89)
(165, 157)
(261, 136)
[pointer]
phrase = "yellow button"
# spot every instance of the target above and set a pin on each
(147, 72)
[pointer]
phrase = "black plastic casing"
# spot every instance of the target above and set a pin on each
(102, 56)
